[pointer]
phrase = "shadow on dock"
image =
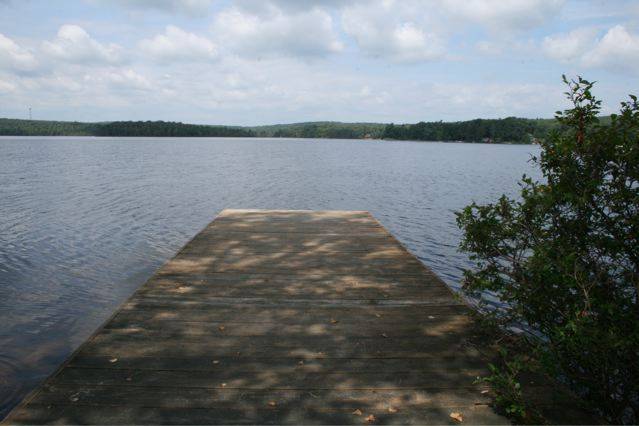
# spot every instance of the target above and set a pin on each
(279, 317)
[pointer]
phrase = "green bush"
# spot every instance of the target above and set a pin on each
(508, 395)
(564, 257)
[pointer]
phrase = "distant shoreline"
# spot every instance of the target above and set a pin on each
(260, 137)
(511, 130)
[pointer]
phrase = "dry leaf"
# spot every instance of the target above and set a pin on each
(272, 403)
(128, 379)
(223, 385)
(334, 321)
(431, 317)
(215, 361)
(221, 328)
(74, 397)
(378, 315)
(485, 391)
(112, 360)
(384, 335)
(392, 410)
(357, 412)
(300, 363)
(371, 419)
(457, 416)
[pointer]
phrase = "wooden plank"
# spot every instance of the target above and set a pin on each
(304, 281)
(185, 289)
(207, 303)
(320, 312)
(278, 308)
(170, 397)
(310, 347)
(272, 378)
(132, 324)
(161, 313)
(281, 414)
(248, 364)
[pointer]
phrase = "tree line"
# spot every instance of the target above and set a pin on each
(507, 130)
(12, 127)
(168, 129)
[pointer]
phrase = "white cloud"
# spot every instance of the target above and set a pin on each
(489, 47)
(499, 15)
(14, 57)
(419, 30)
(253, 64)
(392, 30)
(264, 6)
(305, 34)
(187, 7)
(74, 45)
(570, 46)
(125, 79)
(6, 86)
(176, 43)
(618, 49)
(500, 100)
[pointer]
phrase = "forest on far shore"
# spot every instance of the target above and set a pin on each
(505, 130)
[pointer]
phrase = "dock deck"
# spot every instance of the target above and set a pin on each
(277, 317)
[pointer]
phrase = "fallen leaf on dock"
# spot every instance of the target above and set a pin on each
(300, 363)
(485, 391)
(112, 360)
(272, 404)
(457, 417)
(371, 419)
(384, 335)
(221, 328)
(223, 385)
(74, 397)
(392, 410)
(334, 321)
(357, 412)
(215, 361)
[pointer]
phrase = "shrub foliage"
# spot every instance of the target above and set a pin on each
(564, 257)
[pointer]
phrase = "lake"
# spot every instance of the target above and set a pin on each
(85, 221)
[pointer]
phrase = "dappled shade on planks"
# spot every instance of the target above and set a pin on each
(277, 317)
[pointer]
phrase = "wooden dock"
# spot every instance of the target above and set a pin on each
(277, 317)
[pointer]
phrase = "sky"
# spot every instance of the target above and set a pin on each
(253, 62)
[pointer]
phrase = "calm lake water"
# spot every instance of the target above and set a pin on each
(85, 221)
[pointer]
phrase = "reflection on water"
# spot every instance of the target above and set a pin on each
(84, 221)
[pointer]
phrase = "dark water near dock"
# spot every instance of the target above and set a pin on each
(84, 221)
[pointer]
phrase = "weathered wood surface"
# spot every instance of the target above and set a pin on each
(277, 317)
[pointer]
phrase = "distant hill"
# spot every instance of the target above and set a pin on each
(14, 127)
(505, 130)
(322, 129)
